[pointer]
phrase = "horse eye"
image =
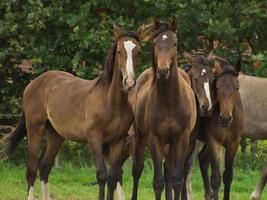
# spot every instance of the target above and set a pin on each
(237, 89)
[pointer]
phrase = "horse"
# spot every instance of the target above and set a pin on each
(93, 111)
(202, 80)
(165, 114)
(255, 110)
(223, 128)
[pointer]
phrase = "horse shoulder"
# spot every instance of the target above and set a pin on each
(184, 75)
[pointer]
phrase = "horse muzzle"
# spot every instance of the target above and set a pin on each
(204, 111)
(225, 121)
(128, 84)
(163, 74)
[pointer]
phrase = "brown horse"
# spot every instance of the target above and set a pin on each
(223, 128)
(97, 112)
(202, 80)
(165, 114)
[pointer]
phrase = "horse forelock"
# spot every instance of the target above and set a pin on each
(163, 28)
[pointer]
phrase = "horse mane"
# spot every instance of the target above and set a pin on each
(106, 76)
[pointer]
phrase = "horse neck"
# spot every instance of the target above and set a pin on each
(168, 90)
(116, 97)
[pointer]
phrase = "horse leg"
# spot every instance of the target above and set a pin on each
(204, 166)
(115, 155)
(168, 171)
(180, 154)
(95, 141)
(215, 168)
(228, 172)
(187, 171)
(120, 193)
(54, 142)
(256, 194)
(35, 134)
(138, 162)
(158, 182)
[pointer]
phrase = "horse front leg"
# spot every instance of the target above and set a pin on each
(138, 161)
(180, 154)
(214, 151)
(168, 171)
(115, 171)
(155, 150)
(230, 153)
(95, 142)
(204, 166)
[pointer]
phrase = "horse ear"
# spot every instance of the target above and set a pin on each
(188, 57)
(238, 65)
(174, 24)
(117, 31)
(156, 23)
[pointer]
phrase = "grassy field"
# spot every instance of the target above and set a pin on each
(71, 183)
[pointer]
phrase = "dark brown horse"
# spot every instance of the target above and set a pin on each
(97, 112)
(202, 80)
(223, 128)
(165, 114)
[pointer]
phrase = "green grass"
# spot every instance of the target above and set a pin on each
(71, 183)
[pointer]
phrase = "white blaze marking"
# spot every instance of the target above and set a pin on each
(203, 71)
(120, 192)
(164, 37)
(31, 194)
(207, 91)
(129, 46)
(45, 191)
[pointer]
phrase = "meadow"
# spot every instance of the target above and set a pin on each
(69, 182)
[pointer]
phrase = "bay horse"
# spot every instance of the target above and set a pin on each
(202, 80)
(165, 114)
(93, 111)
(223, 128)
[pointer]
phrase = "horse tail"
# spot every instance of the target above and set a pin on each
(11, 140)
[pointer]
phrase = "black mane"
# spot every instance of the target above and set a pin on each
(106, 76)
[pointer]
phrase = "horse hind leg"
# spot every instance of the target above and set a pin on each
(256, 194)
(54, 142)
(35, 134)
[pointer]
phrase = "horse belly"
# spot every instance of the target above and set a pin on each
(68, 127)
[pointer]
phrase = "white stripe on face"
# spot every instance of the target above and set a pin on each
(129, 46)
(207, 88)
(207, 91)
(31, 194)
